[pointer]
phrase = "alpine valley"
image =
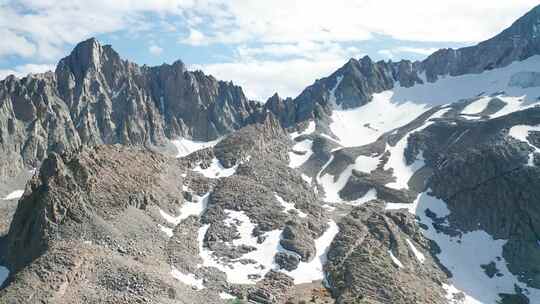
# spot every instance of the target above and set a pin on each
(385, 182)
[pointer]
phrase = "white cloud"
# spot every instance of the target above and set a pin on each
(395, 52)
(285, 68)
(13, 44)
(25, 69)
(415, 50)
(261, 79)
(44, 27)
(195, 38)
(303, 49)
(280, 21)
(155, 50)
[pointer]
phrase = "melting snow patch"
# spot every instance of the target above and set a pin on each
(187, 146)
(168, 231)
(312, 271)
(402, 172)
(476, 106)
(226, 296)
(4, 273)
(366, 164)
(216, 170)
(188, 279)
(296, 160)
(306, 178)
(370, 195)
(236, 271)
(14, 195)
(520, 132)
(419, 255)
(289, 206)
(332, 187)
(189, 208)
(310, 129)
(328, 207)
(396, 161)
(394, 259)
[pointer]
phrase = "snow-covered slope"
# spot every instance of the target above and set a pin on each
(392, 117)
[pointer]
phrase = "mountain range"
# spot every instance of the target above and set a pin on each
(385, 182)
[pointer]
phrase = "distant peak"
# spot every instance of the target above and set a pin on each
(88, 44)
(275, 96)
(88, 54)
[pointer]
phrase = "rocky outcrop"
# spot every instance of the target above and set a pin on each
(370, 260)
(72, 194)
(87, 230)
(95, 97)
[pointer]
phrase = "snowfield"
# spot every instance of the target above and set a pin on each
(454, 88)
(187, 146)
(236, 271)
(464, 254)
(17, 194)
(297, 160)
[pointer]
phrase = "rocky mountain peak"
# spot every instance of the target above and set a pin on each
(88, 55)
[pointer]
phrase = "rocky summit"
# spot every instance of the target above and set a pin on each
(385, 182)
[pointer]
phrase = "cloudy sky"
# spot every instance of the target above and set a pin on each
(263, 45)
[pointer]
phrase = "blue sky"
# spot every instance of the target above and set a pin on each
(265, 46)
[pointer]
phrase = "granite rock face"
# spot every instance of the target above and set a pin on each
(95, 97)
(86, 229)
(361, 266)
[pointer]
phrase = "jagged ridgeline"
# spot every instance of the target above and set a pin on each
(385, 182)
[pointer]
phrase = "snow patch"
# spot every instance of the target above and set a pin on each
(4, 274)
(366, 164)
(189, 208)
(168, 231)
(226, 296)
(187, 146)
(216, 170)
(401, 171)
(17, 194)
(289, 206)
(235, 270)
(313, 271)
(521, 132)
(310, 129)
(394, 259)
(188, 279)
(296, 160)
(419, 255)
(476, 106)
(370, 195)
